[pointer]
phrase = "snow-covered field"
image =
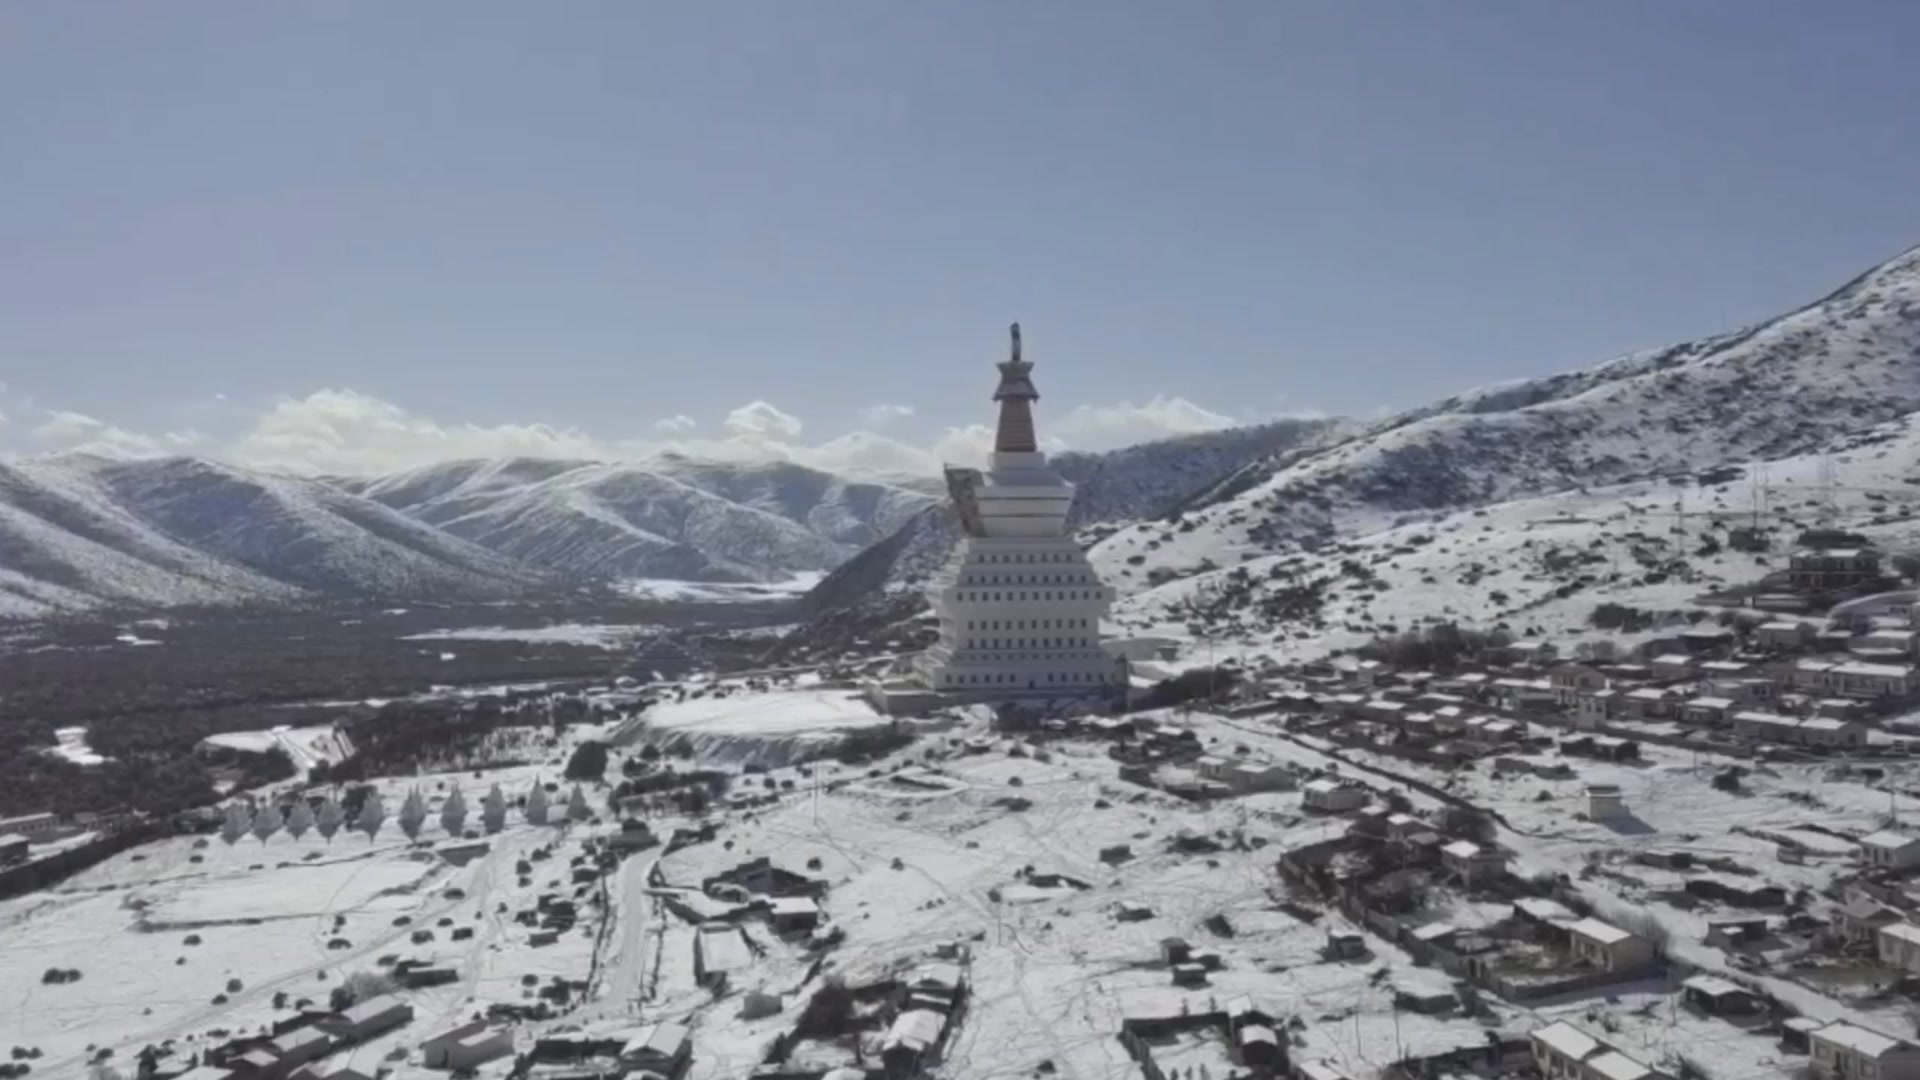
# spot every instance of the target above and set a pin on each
(718, 592)
(591, 635)
(305, 746)
(772, 714)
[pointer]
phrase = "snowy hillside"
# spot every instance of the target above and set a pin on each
(80, 532)
(1839, 366)
(1129, 484)
(672, 518)
(1540, 566)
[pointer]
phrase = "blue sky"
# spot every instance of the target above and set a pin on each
(358, 234)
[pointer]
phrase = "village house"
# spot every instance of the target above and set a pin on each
(1609, 948)
(1564, 1052)
(661, 1049)
(1890, 850)
(13, 848)
(1843, 1051)
(1716, 996)
(1570, 680)
(1707, 711)
(466, 1046)
(1470, 862)
(1852, 678)
(1708, 640)
(1605, 801)
(37, 828)
(1330, 796)
(374, 1016)
(299, 1046)
(1783, 635)
(915, 1035)
(1592, 708)
(1821, 569)
(1816, 732)
(1650, 702)
(1885, 642)
(1858, 921)
(1898, 946)
(792, 914)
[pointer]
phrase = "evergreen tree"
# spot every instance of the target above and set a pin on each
(373, 812)
(536, 809)
(300, 818)
(577, 808)
(413, 814)
(453, 815)
(267, 822)
(236, 823)
(331, 818)
(493, 810)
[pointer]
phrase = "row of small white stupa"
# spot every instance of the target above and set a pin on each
(331, 817)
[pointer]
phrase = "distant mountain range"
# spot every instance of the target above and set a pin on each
(81, 533)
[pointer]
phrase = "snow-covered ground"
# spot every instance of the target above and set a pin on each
(305, 746)
(772, 714)
(718, 592)
(73, 746)
(591, 635)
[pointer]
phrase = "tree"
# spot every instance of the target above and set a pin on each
(577, 808)
(266, 822)
(589, 762)
(373, 812)
(493, 810)
(536, 808)
(300, 819)
(236, 823)
(453, 815)
(331, 817)
(413, 814)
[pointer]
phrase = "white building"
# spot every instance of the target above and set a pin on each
(1330, 796)
(1893, 850)
(1843, 1051)
(1609, 948)
(1019, 605)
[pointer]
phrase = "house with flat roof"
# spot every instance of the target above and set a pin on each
(1564, 1052)
(1609, 948)
(1844, 1051)
(1891, 850)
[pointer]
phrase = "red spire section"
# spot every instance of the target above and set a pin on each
(1016, 396)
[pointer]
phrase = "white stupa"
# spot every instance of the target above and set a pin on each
(1019, 605)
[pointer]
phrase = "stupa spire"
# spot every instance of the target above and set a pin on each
(1016, 395)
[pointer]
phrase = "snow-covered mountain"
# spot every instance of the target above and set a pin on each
(1816, 379)
(668, 518)
(80, 532)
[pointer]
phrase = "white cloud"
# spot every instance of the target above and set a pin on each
(1107, 427)
(347, 432)
(877, 416)
(760, 420)
(341, 431)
